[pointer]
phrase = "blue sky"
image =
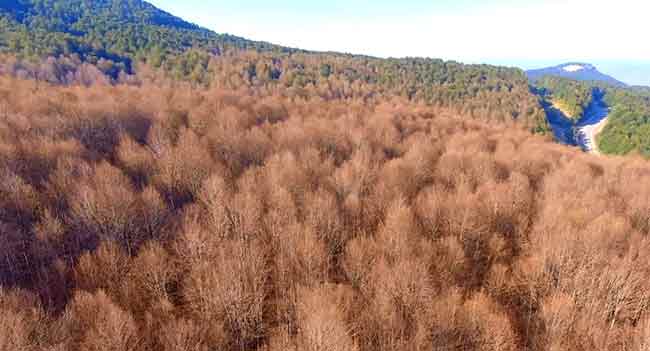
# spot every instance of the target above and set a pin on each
(524, 33)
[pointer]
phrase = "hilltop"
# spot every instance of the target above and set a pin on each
(116, 31)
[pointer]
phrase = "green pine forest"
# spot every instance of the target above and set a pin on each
(628, 129)
(575, 97)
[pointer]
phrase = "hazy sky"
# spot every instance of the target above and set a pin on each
(526, 33)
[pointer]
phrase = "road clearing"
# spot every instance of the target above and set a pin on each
(590, 125)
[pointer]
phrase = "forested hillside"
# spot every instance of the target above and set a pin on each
(628, 129)
(480, 90)
(120, 41)
(106, 32)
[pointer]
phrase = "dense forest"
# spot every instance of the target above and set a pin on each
(117, 41)
(166, 216)
(163, 187)
(479, 90)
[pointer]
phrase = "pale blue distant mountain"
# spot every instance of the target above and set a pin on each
(575, 70)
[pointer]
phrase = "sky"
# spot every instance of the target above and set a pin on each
(523, 33)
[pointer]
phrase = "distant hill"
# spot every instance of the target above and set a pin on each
(576, 71)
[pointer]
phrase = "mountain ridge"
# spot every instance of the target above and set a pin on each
(581, 71)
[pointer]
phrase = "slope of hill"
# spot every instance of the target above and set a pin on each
(576, 71)
(114, 30)
(79, 40)
(628, 129)
(570, 96)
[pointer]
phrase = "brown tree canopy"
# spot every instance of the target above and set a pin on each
(250, 216)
